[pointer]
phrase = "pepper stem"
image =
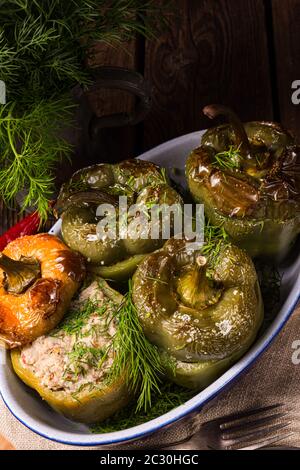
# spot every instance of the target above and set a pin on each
(195, 289)
(19, 275)
(214, 110)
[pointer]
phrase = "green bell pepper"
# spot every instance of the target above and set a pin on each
(143, 183)
(203, 312)
(248, 178)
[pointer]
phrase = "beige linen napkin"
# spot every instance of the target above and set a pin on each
(274, 378)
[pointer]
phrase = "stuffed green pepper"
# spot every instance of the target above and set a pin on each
(248, 177)
(202, 311)
(114, 254)
(70, 367)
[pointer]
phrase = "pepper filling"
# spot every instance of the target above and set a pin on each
(77, 356)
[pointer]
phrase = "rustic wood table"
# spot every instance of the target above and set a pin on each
(245, 54)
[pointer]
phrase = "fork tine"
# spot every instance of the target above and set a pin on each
(268, 441)
(231, 432)
(256, 435)
(255, 445)
(245, 416)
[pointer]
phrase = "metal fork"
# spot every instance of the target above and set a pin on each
(247, 430)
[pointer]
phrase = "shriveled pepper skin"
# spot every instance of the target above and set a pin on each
(143, 183)
(256, 200)
(203, 317)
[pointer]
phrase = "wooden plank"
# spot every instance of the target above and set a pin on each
(286, 20)
(105, 102)
(117, 143)
(111, 145)
(215, 51)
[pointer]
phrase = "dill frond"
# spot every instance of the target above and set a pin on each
(43, 47)
(30, 149)
(170, 397)
(229, 159)
(135, 355)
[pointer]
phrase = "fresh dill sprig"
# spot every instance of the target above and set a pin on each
(30, 148)
(44, 46)
(229, 159)
(170, 397)
(135, 355)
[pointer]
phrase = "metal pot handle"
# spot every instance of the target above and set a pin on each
(122, 79)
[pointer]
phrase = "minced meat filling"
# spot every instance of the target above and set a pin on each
(77, 354)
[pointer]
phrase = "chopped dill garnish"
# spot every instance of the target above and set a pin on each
(214, 238)
(135, 355)
(80, 356)
(122, 190)
(77, 318)
(77, 184)
(229, 159)
(83, 354)
(170, 397)
(90, 386)
(131, 182)
(164, 175)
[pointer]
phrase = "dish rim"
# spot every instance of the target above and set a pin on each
(192, 405)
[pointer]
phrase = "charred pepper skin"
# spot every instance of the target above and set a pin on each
(256, 200)
(202, 316)
(142, 182)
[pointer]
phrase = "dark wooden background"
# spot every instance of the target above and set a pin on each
(242, 53)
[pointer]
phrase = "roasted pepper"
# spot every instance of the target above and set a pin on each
(248, 177)
(202, 311)
(70, 367)
(143, 183)
(39, 275)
